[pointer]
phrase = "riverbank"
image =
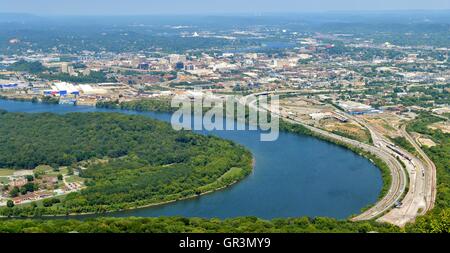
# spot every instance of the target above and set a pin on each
(163, 105)
(276, 164)
(131, 208)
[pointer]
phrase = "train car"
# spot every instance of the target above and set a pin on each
(393, 148)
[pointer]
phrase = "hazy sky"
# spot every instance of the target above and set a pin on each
(130, 7)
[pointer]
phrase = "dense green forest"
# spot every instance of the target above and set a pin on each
(155, 105)
(194, 225)
(93, 77)
(129, 161)
(25, 66)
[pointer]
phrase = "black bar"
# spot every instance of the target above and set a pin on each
(224, 242)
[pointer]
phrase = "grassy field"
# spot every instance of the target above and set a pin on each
(231, 176)
(72, 179)
(62, 171)
(4, 180)
(232, 173)
(6, 172)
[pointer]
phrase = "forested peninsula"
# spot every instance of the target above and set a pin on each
(126, 161)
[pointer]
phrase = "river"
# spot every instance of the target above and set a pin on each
(293, 176)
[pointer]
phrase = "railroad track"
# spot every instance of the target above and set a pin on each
(430, 172)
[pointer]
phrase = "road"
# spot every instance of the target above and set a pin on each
(429, 172)
(415, 201)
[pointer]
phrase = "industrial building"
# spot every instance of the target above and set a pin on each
(356, 108)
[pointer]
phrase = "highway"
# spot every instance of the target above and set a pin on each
(421, 194)
(430, 172)
(413, 202)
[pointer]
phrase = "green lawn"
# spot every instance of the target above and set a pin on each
(4, 180)
(62, 171)
(232, 173)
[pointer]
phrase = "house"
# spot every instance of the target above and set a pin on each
(27, 197)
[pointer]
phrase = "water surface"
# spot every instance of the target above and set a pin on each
(293, 176)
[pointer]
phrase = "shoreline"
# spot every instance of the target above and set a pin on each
(135, 208)
(354, 149)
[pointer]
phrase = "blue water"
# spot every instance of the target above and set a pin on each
(293, 176)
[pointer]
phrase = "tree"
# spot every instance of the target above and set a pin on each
(50, 202)
(10, 204)
(60, 177)
(23, 190)
(14, 192)
(30, 187)
(31, 67)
